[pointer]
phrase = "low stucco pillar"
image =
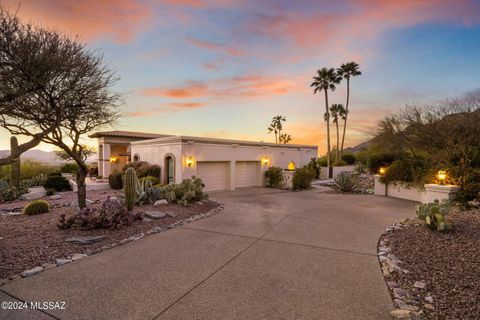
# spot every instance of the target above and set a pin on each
(440, 192)
(379, 189)
(233, 171)
(106, 160)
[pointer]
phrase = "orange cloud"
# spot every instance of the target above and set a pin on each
(186, 104)
(228, 88)
(90, 19)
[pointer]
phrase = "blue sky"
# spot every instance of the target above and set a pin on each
(223, 68)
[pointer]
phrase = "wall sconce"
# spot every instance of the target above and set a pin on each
(291, 166)
(381, 170)
(189, 161)
(265, 161)
(113, 159)
(442, 175)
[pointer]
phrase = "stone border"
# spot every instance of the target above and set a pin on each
(404, 307)
(77, 256)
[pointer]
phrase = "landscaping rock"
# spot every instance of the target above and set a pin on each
(404, 314)
(171, 214)
(429, 306)
(145, 219)
(392, 284)
(399, 292)
(429, 299)
(155, 214)
(34, 193)
(419, 285)
(78, 256)
(137, 236)
(85, 240)
(159, 202)
(74, 203)
(55, 197)
(47, 266)
(61, 262)
(31, 272)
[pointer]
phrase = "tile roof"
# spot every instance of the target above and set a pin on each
(127, 134)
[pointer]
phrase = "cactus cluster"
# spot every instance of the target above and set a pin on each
(36, 207)
(190, 190)
(15, 166)
(433, 214)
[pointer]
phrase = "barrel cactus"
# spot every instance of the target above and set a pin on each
(130, 185)
(15, 166)
(36, 207)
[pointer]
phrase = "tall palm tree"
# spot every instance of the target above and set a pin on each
(337, 112)
(276, 126)
(326, 79)
(347, 71)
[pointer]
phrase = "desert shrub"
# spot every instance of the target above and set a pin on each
(360, 168)
(71, 167)
(36, 207)
(314, 164)
(376, 161)
(50, 192)
(11, 193)
(93, 171)
(134, 164)
(36, 181)
(148, 170)
(111, 215)
(346, 181)
(433, 214)
(3, 184)
(28, 169)
(115, 180)
(274, 177)
(322, 161)
(302, 178)
(416, 171)
(58, 183)
(349, 159)
(469, 186)
(152, 180)
(55, 174)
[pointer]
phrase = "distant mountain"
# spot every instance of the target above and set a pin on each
(358, 147)
(47, 157)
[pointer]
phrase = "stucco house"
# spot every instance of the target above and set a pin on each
(222, 164)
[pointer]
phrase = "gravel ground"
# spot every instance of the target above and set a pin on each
(449, 263)
(29, 241)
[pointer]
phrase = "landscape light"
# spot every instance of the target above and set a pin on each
(381, 170)
(442, 175)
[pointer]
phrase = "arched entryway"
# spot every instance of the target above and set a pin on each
(169, 169)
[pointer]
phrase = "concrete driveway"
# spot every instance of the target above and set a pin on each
(269, 254)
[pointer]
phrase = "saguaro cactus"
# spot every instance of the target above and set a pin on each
(15, 166)
(130, 185)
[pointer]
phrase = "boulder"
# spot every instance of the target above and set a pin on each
(78, 256)
(61, 262)
(159, 202)
(34, 193)
(31, 272)
(155, 214)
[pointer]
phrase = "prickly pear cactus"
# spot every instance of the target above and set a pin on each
(130, 185)
(15, 166)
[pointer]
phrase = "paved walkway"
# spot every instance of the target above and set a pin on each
(269, 255)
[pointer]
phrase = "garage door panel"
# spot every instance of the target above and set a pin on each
(214, 174)
(246, 173)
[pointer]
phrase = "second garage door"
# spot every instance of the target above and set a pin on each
(214, 174)
(246, 173)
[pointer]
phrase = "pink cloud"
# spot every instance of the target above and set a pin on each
(214, 46)
(189, 90)
(90, 19)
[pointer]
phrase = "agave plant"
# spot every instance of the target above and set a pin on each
(346, 181)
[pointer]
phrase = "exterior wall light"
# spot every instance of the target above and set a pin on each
(381, 170)
(189, 161)
(113, 159)
(265, 161)
(442, 175)
(291, 166)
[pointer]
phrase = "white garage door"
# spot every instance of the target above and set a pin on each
(213, 174)
(246, 173)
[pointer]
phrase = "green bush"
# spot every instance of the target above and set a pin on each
(36, 207)
(148, 170)
(50, 192)
(416, 171)
(349, 159)
(346, 181)
(302, 178)
(314, 164)
(11, 193)
(433, 214)
(274, 176)
(376, 161)
(115, 180)
(134, 164)
(36, 181)
(55, 174)
(71, 167)
(58, 183)
(322, 162)
(152, 180)
(469, 186)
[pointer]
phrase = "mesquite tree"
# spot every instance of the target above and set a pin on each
(54, 89)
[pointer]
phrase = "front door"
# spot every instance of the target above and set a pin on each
(170, 170)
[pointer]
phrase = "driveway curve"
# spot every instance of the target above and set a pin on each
(269, 254)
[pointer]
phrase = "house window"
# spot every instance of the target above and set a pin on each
(136, 158)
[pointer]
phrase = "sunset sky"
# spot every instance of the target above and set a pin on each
(223, 68)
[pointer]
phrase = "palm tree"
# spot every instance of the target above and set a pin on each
(337, 111)
(285, 138)
(347, 70)
(276, 126)
(326, 79)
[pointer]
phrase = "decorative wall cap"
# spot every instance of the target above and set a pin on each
(441, 187)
